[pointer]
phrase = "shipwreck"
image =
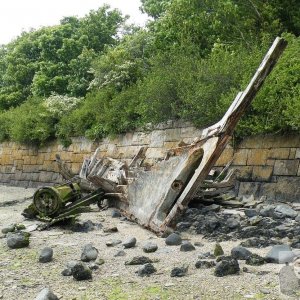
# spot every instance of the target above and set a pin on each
(153, 197)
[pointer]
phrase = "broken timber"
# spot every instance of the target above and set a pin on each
(155, 197)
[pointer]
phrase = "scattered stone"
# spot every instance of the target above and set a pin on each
(206, 255)
(20, 226)
(150, 247)
(255, 220)
(100, 261)
(198, 244)
(267, 211)
(259, 242)
(113, 243)
(94, 266)
(179, 271)
(297, 219)
(227, 266)
(46, 294)
(85, 226)
(81, 272)
(110, 229)
(204, 264)
(146, 270)
(213, 207)
(284, 211)
(69, 267)
(9, 228)
(46, 255)
(17, 240)
(288, 281)
(115, 214)
(245, 269)
(129, 243)
(138, 260)
(265, 291)
(250, 212)
(186, 247)
(89, 253)
(255, 260)
(66, 272)
(173, 239)
(232, 223)
(120, 253)
(240, 253)
(182, 226)
(280, 254)
(218, 251)
(295, 244)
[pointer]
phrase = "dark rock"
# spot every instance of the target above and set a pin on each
(93, 266)
(179, 271)
(81, 272)
(295, 244)
(10, 228)
(245, 269)
(280, 254)
(297, 219)
(17, 240)
(173, 239)
(129, 243)
(150, 247)
(89, 253)
(258, 242)
(226, 267)
(69, 267)
(120, 253)
(284, 211)
(206, 255)
(182, 226)
(213, 207)
(240, 253)
(204, 264)
(212, 223)
(255, 220)
(250, 213)
(187, 246)
(110, 229)
(85, 226)
(46, 255)
(167, 232)
(255, 260)
(115, 214)
(113, 243)
(232, 223)
(146, 270)
(66, 272)
(267, 211)
(46, 294)
(218, 250)
(138, 260)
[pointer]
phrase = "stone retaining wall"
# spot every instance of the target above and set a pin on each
(268, 165)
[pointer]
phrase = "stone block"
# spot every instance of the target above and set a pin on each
(286, 167)
(157, 138)
(262, 173)
(155, 153)
(172, 135)
(225, 157)
(6, 160)
(240, 157)
(270, 162)
(124, 139)
(288, 189)
(293, 153)
(45, 176)
(257, 157)
(112, 151)
(297, 154)
(165, 125)
(170, 145)
(30, 168)
(188, 132)
(249, 188)
(128, 152)
(245, 173)
(279, 153)
(141, 138)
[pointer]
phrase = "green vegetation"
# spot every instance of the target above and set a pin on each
(83, 77)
